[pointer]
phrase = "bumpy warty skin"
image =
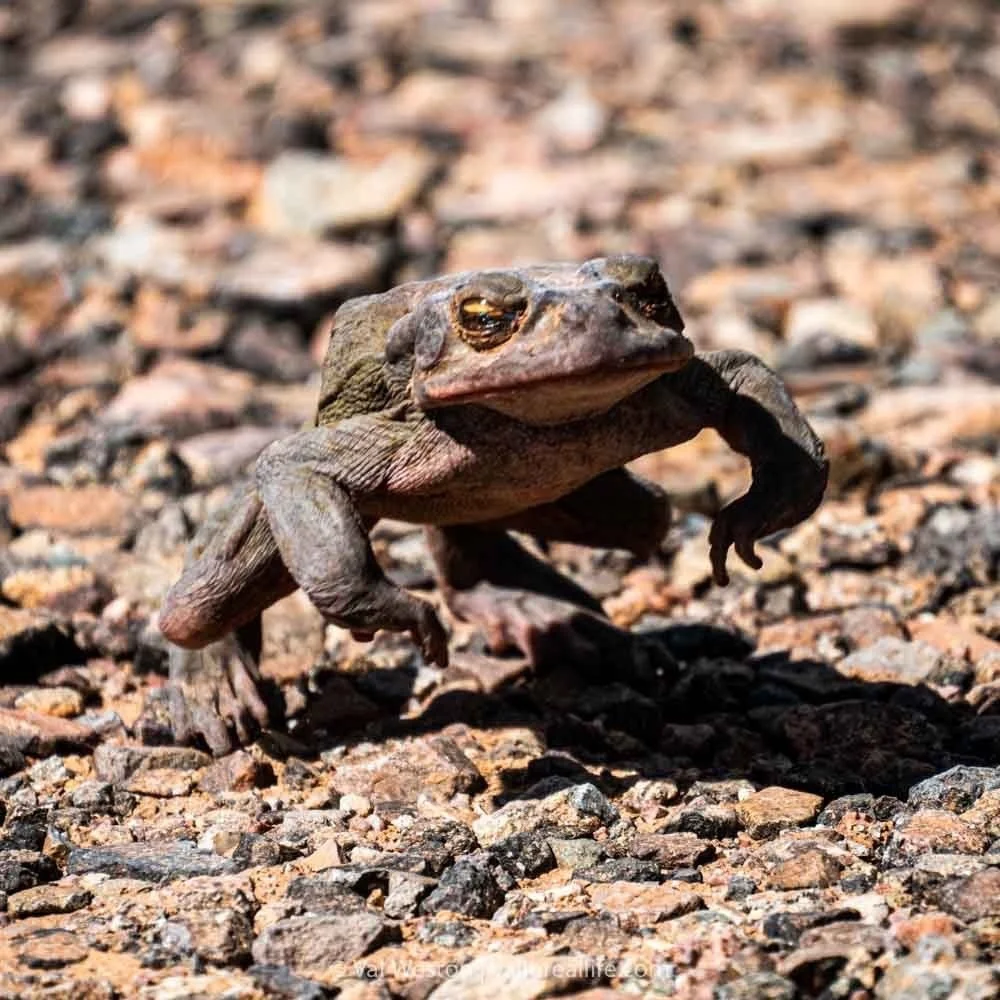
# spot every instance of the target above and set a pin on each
(474, 404)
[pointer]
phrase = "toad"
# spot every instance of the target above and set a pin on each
(477, 405)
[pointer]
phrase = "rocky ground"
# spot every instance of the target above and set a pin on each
(803, 799)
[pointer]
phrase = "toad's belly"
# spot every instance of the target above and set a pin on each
(471, 498)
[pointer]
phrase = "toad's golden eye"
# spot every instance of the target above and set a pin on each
(484, 324)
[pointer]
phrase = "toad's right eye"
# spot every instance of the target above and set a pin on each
(483, 323)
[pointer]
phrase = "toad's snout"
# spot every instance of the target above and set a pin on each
(618, 336)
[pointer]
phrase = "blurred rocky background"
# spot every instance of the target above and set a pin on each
(803, 800)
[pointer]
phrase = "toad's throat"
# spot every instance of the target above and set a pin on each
(554, 399)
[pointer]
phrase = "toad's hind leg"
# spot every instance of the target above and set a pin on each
(212, 618)
(522, 602)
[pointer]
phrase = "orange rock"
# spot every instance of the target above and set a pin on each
(934, 924)
(79, 510)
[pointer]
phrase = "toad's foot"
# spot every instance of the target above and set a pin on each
(523, 603)
(552, 633)
(216, 695)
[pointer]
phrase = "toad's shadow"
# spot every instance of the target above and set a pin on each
(723, 713)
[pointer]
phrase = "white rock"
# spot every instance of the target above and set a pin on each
(831, 317)
(310, 194)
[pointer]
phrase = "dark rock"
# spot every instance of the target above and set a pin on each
(95, 796)
(11, 761)
(26, 831)
(254, 850)
(15, 360)
(30, 644)
(360, 879)
(836, 810)
(84, 141)
(23, 869)
(886, 746)
(956, 789)
(980, 736)
(438, 841)
(811, 680)
(277, 982)
(695, 740)
(959, 547)
(691, 875)
(789, 927)
(393, 686)
(298, 773)
(339, 707)
(882, 807)
(16, 403)
(740, 886)
(469, 888)
(525, 855)
(19, 211)
(857, 884)
(708, 686)
(696, 641)
(446, 933)
(319, 895)
(621, 870)
(619, 707)
(709, 822)
(161, 861)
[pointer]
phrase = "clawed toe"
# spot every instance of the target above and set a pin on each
(549, 632)
(214, 696)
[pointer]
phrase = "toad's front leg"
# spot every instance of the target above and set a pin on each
(748, 404)
(211, 617)
(303, 483)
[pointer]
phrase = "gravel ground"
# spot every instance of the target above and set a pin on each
(802, 798)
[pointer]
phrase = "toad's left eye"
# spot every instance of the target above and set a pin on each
(484, 323)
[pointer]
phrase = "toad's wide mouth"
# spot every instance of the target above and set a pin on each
(548, 397)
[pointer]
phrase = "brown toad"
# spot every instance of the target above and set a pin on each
(477, 404)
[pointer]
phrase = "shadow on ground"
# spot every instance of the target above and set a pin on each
(717, 712)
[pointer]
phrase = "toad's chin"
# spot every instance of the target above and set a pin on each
(558, 400)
